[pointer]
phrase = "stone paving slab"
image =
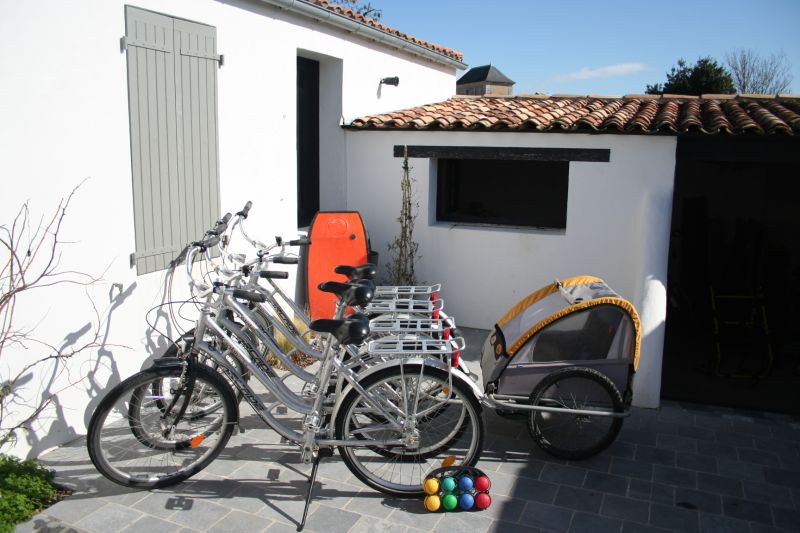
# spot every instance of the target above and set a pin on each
(687, 468)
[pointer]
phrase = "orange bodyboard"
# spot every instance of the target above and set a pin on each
(337, 238)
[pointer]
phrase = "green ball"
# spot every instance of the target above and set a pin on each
(448, 484)
(449, 502)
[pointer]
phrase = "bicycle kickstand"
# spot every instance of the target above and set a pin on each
(323, 452)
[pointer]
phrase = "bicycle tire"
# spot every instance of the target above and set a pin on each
(129, 445)
(570, 436)
(402, 473)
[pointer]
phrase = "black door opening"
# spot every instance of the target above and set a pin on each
(307, 140)
(734, 274)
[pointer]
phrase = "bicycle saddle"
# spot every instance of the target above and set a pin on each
(352, 293)
(351, 330)
(365, 271)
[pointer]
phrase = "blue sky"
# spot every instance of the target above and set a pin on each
(598, 47)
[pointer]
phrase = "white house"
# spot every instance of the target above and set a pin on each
(514, 192)
(173, 112)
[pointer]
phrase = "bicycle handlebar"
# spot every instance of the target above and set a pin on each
(284, 260)
(243, 213)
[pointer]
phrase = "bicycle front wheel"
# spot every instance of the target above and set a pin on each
(136, 437)
(446, 419)
(575, 436)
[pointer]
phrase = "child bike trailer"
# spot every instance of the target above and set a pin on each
(565, 355)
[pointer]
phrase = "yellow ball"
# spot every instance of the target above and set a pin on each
(432, 503)
(431, 485)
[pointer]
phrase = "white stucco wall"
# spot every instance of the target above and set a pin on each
(63, 103)
(618, 220)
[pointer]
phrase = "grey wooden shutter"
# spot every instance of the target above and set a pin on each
(172, 101)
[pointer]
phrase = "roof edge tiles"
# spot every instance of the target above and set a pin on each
(630, 114)
(352, 22)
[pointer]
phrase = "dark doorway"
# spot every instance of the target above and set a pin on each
(734, 274)
(307, 140)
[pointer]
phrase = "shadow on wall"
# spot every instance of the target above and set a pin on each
(59, 431)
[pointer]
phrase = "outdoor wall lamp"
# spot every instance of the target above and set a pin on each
(394, 80)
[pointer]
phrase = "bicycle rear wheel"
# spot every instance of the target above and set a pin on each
(575, 436)
(448, 425)
(131, 440)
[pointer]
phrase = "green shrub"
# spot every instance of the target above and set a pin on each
(26, 487)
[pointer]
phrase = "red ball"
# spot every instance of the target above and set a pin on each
(482, 500)
(482, 483)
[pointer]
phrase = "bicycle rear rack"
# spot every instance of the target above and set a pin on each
(406, 291)
(404, 305)
(413, 345)
(406, 324)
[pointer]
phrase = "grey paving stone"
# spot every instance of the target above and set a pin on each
(647, 490)
(755, 527)
(546, 517)
(505, 508)
(740, 470)
(533, 490)
(770, 494)
(712, 523)
(634, 469)
(370, 525)
(625, 508)
(693, 461)
(151, 524)
(411, 513)
(719, 484)
(369, 503)
(530, 468)
(700, 432)
(155, 504)
(714, 423)
(331, 520)
(746, 510)
(109, 519)
(677, 443)
(606, 483)
(716, 449)
(751, 427)
(702, 501)
(760, 457)
(736, 439)
(671, 517)
(674, 476)
(563, 474)
(657, 456)
(633, 527)
(500, 526)
(240, 522)
(279, 527)
(46, 524)
(592, 523)
(784, 478)
(471, 521)
(635, 436)
(624, 450)
(201, 514)
(597, 463)
(786, 518)
(778, 446)
(75, 508)
(579, 499)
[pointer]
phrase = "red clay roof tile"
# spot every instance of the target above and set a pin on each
(629, 114)
(349, 13)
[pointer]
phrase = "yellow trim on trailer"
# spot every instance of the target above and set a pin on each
(619, 302)
(542, 293)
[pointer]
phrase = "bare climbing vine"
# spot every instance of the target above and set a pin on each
(404, 250)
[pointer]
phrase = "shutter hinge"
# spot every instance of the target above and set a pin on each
(123, 45)
(221, 60)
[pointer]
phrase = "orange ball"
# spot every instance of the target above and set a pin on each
(431, 485)
(432, 503)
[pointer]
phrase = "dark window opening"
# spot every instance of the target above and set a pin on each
(503, 192)
(307, 140)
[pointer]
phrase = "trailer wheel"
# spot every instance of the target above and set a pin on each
(575, 436)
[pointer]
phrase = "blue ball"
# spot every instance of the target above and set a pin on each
(465, 483)
(466, 501)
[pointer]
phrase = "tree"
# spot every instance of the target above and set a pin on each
(706, 76)
(360, 7)
(754, 74)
